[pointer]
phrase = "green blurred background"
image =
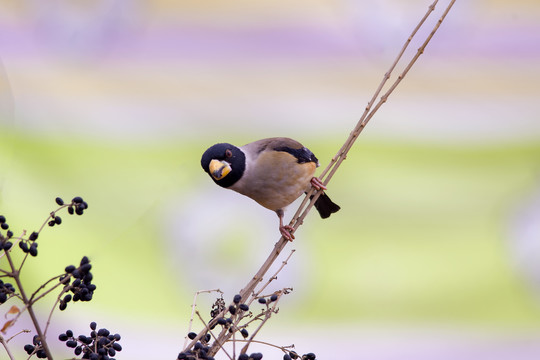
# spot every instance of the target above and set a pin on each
(435, 252)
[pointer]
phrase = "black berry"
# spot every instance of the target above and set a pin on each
(71, 343)
(29, 349)
(23, 246)
(103, 332)
(85, 260)
(33, 249)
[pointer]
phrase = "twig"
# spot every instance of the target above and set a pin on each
(51, 215)
(34, 299)
(17, 278)
(6, 347)
(20, 332)
(65, 290)
(282, 348)
(273, 277)
(267, 315)
(207, 329)
(193, 309)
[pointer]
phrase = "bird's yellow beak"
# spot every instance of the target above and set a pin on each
(219, 169)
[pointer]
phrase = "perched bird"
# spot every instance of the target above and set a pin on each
(274, 172)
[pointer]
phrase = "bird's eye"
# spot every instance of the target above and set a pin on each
(228, 153)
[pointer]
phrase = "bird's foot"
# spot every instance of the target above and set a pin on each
(317, 183)
(287, 231)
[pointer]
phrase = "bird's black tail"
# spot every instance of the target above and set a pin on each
(325, 206)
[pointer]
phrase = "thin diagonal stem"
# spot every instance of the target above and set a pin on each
(41, 335)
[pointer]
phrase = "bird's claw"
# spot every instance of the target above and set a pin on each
(286, 231)
(317, 183)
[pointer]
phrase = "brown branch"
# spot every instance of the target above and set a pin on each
(273, 277)
(33, 317)
(194, 305)
(6, 347)
(268, 312)
(207, 329)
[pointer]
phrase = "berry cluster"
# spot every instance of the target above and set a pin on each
(199, 352)
(100, 345)
(5, 244)
(3, 223)
(82, 287)
(55, 220)
(234, 308)
(253, 356)
(201, 348)
(30, 245)
(78, 205)
(35, 348)
(272, 298)
(293, 355)
(6, 289)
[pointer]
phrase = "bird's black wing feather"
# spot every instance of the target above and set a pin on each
(304, 155)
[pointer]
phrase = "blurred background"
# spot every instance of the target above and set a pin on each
(435, 253)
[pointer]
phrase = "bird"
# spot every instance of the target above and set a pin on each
(273, 171)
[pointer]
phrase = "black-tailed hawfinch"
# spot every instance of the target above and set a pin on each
(274, 172)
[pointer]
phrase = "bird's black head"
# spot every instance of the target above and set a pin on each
(225, 163)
